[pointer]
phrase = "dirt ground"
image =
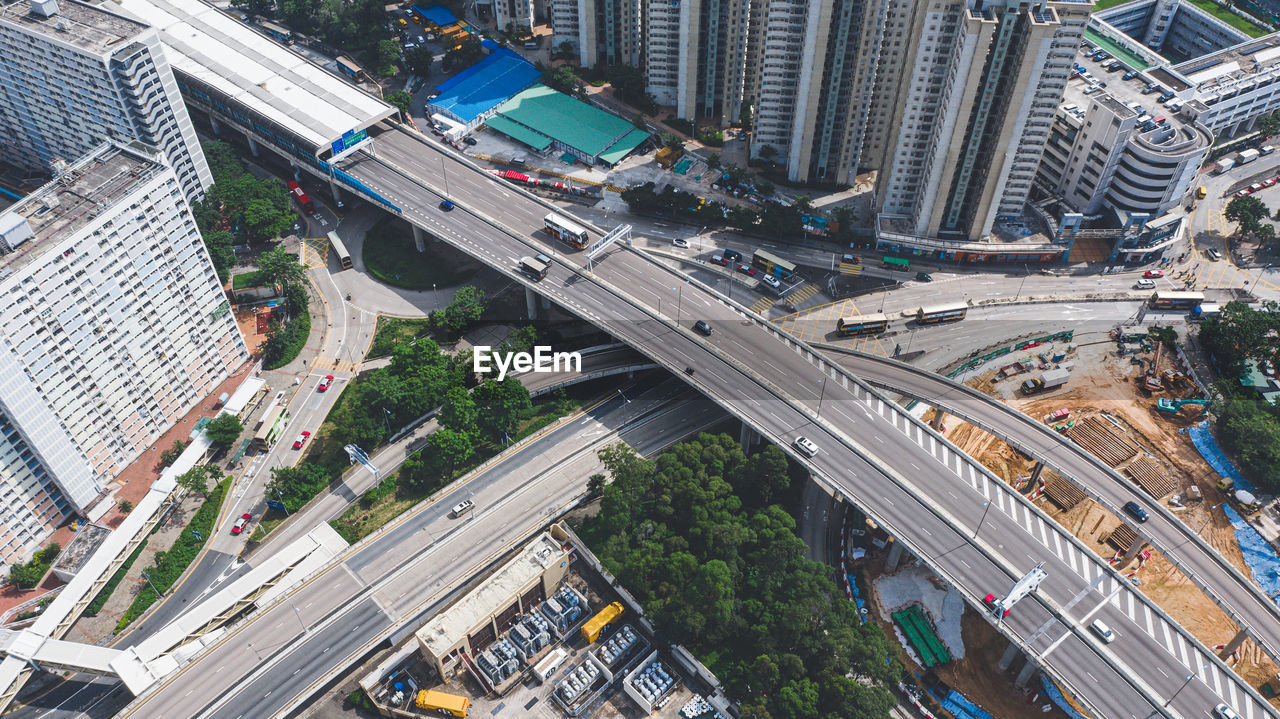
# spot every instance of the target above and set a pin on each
(1104, 383)
(247, 321)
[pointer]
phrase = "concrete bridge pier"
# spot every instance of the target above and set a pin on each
(1024, 676)
(336, 191)
(253, 145)
(1006, 659)
(1134, 550)
(217, 126)
(420, 241)
(896, 551)
(1233, 646)
(1036, 471)
(530, 299)
(938, 418)
(748, 437)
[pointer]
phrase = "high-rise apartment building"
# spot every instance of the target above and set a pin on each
(609, 32)
(73, 75)
(113, 326)
(973, 111)
(696, 56)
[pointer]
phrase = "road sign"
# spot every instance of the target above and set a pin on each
(359, 455)
(603, 243)
(197, 534)
(278, 506)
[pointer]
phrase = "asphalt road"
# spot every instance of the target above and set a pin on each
(405, 167)
(417, 560)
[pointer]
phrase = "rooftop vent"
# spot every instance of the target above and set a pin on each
(44, 8)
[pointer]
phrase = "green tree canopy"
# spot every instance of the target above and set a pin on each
(223, 430)
(281, 268)
(459, 411)
(1248, 212)
(400, 99)
(1241, 333)
(419, 60)
(1251, 430)
(198, 477)
(501, 405)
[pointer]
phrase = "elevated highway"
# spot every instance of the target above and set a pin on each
(928, 494)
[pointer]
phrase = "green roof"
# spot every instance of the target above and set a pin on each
(1253, 377)
(1116, 50)
(591, 131)
(518, 132)
(623, 147)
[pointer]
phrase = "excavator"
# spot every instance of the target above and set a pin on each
(1173, 406)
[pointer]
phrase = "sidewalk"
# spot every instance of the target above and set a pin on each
(133, 483)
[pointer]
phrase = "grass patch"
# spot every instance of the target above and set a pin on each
(245, 280)
(1104, 4)
(171, 564)
(1248, 27)
(104, 594)
(392, 332)
(293, 337)
(390, 500)
(386, 247)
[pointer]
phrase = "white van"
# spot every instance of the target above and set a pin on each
(461, 507)
(1103, 631)
(806, 446)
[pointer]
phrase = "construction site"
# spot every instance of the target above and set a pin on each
(1134, 402)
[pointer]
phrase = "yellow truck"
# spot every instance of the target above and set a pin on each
(446, 704)
(591, 630)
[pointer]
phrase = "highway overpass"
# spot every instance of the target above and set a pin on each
(931, 496)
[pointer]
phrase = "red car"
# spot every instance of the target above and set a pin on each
(241, 523)
(324, 383)
(1153, 274)
(1269, 182)
(990, 601)
(1244, 193)
(747, 270)
(301, 440)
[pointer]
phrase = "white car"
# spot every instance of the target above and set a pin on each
(682, 244)
(771, 281)
(461, 507)
(1145, 285)
(1222, 711)
(806, 446)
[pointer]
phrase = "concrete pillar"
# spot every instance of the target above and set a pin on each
(1134, 549)
(531, 303)
(419, 238)
(938, 417)
(336, 190)
(1233, 645)
(748, 437)
(253, 145)
(1006, 659)
(217, 126)
(895, 553)
(546, 302)
(1036, 471)
(1024, 676)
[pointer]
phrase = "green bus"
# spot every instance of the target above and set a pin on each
(897, 263)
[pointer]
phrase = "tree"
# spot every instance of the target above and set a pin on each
(672, 141)
(384, 55)
(197, 478)
(502, 405)
(562, 79)
(768, 152)
(125, 506)
(295, 486)
(1241, 333)
(450, 449)
(419, 60)
(1250, 431)
(220, 245)
(467, 307)
(223, 430)
(629, 86)
(400, 99)
(458, 411)
(565, 48)
(1248, 212)
(1269, 124)
(281, 268)
(713, 161)
(465, 55)
(268, 213)
(595, 485)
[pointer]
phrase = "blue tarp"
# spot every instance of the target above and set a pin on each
(490, 44)
(1202, 437)
(485, 85)
(961, 708)
(1055, 695)
(437, 14)
(1258, 553)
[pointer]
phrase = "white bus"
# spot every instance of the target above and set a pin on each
(565, 230)
(339, 249)
(950, 312)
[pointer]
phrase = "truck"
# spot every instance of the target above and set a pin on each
(1244, 157)
(591, 630)
(1225, 164)
(442, 703)
(1046, 381)
(534, 267)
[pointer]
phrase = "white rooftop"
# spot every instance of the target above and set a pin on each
(452, 625)
(1225, 68)
(267, 77)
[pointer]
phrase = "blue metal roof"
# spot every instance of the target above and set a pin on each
(485, 85)
(437, 14)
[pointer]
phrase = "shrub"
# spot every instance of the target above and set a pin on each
(104, 594)
(285, 341)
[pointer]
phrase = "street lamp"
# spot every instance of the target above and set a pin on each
(822, 393)
(986, 507)
(1184, 686)
(147, 576)
(444, 175)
